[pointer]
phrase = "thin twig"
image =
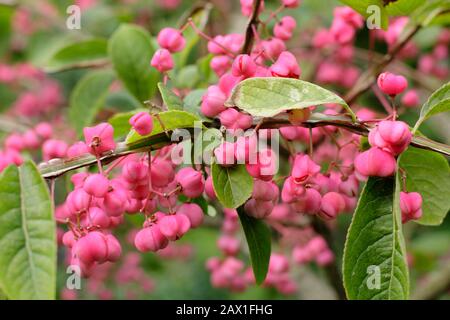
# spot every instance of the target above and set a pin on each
(57, 167)
(251, 26)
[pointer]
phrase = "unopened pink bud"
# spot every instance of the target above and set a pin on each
(162, 60)
(150, 239)
(392, 136)
(332, 205)
(375, 162)
(77, 149)
(410, 206)
(174, 226)
(191, 181)
(96, 185)
(411, 99)
(142, 123)
(391, 84)
(171, 39)
(193, 212)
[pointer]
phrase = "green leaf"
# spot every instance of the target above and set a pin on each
(88, 97)
(375, 245)
(170, 99)
(78, 54)
(27, 235)
(200, 19)
(428, 173)
(171, 120)
(188, 77)
(431, 13)
(438, 102)
(258, 239)
(6, 14)
(131, 50)
(193, 101)
(233, 185)
(120, 123)
(361, 7)
(122, 101)
(267, 97)
(403, 7)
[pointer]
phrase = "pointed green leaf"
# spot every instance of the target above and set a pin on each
(170, 99)
(88, 97)
(233, 185)
(375, 265)
(258, 239)
(120, 123)
(438, 102)
(131, 51)
(27, 235)
(403, 7)
(171, 120)
(428, 173)
(267, 97)
(78, 54)
(362, 7)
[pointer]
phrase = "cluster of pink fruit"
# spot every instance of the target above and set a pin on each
(31, 140)
(37, 93)
(97, 203)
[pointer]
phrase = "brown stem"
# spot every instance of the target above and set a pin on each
(251, 26)
(57, 167)
(366, 80)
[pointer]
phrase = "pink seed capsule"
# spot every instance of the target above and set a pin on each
(171, 39)
(68, 239)
(92, 248)
(44, 130)
(332, 205)
(97, 217)
(142, 123)
(392, 136)
(115, 202)
(308, 203)
(243, 65)
(284, 29)
(290, 3)
(209, 189)
(114, 248)
(173, 227)
(375, 162)
(77, 149)
(229, 245)
(411, 99)
(213, 101)
(78, 200)
(150, 239)
(304, 168)
(193, 212)
(99, 138)
(392, 84)
(191, 181)
(162, 173)
(278, 263)
(286, 66)
(411, 206)
(225, 154)
(96, 185)
(162, 60)
(258, 209)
